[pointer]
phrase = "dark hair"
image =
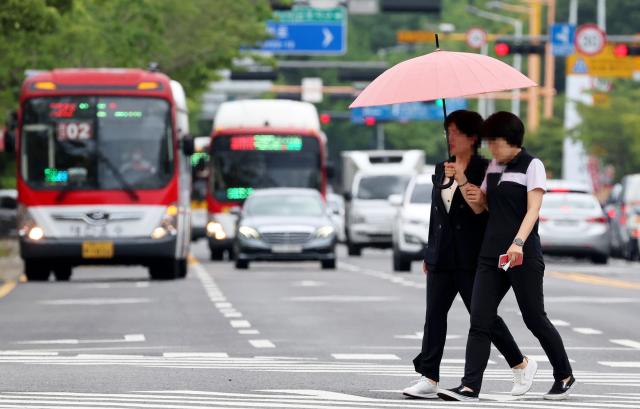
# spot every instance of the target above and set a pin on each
(504, 125)
(468, 122)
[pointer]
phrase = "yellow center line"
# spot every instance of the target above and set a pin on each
(7, 287)
(595, 280)
(191, 259)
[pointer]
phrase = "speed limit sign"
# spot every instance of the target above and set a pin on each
(476, 37)
(590, 39)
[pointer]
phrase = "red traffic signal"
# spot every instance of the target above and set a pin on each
(325, 119)
(625, 50)
(502, 49)
(370, 121)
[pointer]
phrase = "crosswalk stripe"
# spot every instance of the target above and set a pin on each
(627, 343)
(303, 399)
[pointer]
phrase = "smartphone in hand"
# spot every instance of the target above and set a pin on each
(505, 264)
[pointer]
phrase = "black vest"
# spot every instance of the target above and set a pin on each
(455, 237)
(507, 201)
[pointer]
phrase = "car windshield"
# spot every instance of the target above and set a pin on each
(569, 201)
(92, 142)
(284, 205)
(382, 186)
(421, 193)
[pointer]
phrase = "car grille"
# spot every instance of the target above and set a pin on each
(286, 237)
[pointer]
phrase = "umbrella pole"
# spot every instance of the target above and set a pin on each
(446, 131)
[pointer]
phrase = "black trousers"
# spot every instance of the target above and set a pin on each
(490, 286)
(442, 288)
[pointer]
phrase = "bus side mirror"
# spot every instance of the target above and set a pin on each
(188, 147)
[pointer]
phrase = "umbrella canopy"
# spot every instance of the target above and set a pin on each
(440, 75)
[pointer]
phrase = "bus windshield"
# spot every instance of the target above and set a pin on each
(96, 142)
(241, 163)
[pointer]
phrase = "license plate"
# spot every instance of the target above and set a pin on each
(97, 249)
(566, 223)
(286, 248)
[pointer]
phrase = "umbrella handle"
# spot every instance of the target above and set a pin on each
(447, 185)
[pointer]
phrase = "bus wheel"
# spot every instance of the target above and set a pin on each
(36, 271)
(165, 270)
(242, 264)
(62, 273)
(217, 254)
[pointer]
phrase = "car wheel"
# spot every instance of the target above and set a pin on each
(36, 270)
(354, 250)
(600, 258)
(62, 273)
(328, 264)
(216, 254)
(242, 264)
(400, 263)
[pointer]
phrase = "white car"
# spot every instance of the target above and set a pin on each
(411, 227)
(335, 203)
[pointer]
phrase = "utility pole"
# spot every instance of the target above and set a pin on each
(549, 62)
(533, 109)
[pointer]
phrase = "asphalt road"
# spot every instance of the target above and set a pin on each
(293, 336)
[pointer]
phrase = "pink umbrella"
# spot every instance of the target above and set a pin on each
(439, 75)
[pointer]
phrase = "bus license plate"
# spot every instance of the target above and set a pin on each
(97, 249)
(287, 248)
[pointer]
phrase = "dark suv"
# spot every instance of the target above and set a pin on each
(623, 209)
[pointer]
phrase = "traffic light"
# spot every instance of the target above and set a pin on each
(420, 6)
(503, 48)
(325, 119)
(626, 50)
(370, 121)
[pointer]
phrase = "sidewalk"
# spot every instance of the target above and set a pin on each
(10, 262)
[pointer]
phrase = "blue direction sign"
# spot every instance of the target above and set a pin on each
(413, 111)
(562, 39)
(305, 30)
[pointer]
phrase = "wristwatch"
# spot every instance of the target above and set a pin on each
(518, 242)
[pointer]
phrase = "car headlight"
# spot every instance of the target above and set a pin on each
(215, 230)
(249, 232)
(325, 231)
(167, 225)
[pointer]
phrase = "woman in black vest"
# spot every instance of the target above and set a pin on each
(512, 192)
(455, 237)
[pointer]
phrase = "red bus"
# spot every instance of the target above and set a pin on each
(260, 144)
(104, 174)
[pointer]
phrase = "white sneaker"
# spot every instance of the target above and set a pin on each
(422, 388)
(523, 378)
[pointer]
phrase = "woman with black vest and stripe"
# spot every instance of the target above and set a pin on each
(455, 236)
(512, 192)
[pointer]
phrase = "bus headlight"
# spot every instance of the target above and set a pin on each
(27, 226)
(249, 232)
(325, 231)
(215, 230)
(167, 224)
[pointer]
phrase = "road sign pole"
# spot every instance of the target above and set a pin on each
(379, 136)
(549, 63)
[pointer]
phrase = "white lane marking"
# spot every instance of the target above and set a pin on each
(587, 331)
(223, 305)
(109, 356)
(341, 298)
(540, 358)
(627, 343)
(232, 314)
(142, 284)
(308, 283)
(95, 301)
(248, 332)
(127, 338)
(623, 364)
(560, 323)
(420, 335)
(376, 357)
(261, 343)
(461, 361)
(28, 353)
(240, 324)
(195, 355)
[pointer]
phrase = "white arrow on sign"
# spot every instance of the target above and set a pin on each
(328, 37)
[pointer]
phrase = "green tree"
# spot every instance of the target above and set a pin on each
(612, 131)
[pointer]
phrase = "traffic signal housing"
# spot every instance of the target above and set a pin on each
(626, 50)
(504, 48)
